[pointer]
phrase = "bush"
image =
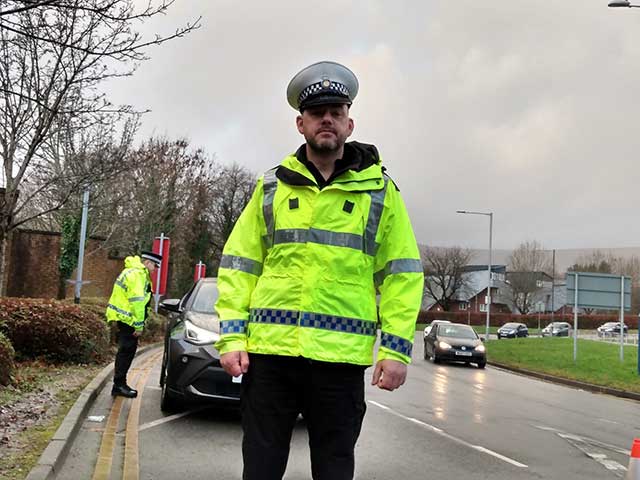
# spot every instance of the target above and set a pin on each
(6, 360)
(55, 330)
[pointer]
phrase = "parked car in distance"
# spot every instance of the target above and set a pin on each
(557, 329)
(611, 329)
(433, 323)
(191, 370)
(455, 342)
(513, 330)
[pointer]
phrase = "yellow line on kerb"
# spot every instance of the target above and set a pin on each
(105, 455)
(131, 467)
(104, 462)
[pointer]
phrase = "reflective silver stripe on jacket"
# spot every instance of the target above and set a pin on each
(121, 284)
(315, 235)
(313, 320)
(242, 264)
(373, 222)
(269, 184)
(367, 244)
(402, 265)
(119, 310)
(397, 344)
(136, 299)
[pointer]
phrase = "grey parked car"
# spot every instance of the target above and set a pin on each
(191, 370)
(557, 329)
(611, 329)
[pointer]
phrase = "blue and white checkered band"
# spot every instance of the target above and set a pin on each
(395, 343)
(321, 87)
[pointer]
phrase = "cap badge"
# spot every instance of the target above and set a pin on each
(326, 83)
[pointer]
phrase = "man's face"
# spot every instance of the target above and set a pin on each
(150, 265)
(325, 127)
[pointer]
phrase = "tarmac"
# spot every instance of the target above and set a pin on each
(55, 453)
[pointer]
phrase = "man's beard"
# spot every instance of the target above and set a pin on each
(326, 147)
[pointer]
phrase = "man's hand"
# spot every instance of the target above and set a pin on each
(235, 363)
(389, 374)
(137, 333)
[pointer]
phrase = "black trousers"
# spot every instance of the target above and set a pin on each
(127, 346)
(329, 396)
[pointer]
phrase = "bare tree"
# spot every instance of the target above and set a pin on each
(231, 192)
(444, 279)
(596, 262)
(529, 267)
(53, 57)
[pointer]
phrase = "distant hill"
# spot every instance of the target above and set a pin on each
(564, 257)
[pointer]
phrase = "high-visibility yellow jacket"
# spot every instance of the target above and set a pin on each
(131, 295)
(301, 268)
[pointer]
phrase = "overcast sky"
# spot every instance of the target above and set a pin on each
(525, 108)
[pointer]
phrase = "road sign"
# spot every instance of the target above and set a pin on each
(598, 290)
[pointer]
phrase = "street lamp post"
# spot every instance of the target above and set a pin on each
(490, 215)
(623, 4)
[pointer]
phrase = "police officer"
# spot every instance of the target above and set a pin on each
(128, 306)
(323, 232)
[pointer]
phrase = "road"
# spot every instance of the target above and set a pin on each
(448, 421)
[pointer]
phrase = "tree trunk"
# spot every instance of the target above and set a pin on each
(3, 249)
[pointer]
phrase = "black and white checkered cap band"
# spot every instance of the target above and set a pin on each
(316, 88)
(157, 259)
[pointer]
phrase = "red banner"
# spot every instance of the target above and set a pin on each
(161, 248)
(200, 271)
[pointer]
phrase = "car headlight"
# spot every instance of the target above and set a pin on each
(198, 335)
(480, 348)
(444, 345)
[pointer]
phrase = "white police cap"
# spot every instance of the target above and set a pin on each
(320, 84)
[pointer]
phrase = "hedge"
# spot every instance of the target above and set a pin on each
(587, 322)
(153, 329)
(55, 330)
(7, 354)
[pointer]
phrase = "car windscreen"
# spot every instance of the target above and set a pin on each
(456, 331)
(205, 298)
(511, 325)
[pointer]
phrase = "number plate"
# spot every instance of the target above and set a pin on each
(464, 354)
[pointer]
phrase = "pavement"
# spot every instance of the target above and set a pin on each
(55, 453)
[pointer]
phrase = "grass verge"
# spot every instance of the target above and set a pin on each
(32, 424)
(597, 362)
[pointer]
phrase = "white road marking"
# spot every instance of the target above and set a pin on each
(501, 457)
(608, 421)
(588, 446)
(457, 440)
(592, 441)
(163, 420)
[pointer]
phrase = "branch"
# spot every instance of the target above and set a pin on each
(129, 50)
(43, 3)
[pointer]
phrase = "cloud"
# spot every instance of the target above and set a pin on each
(524, 109)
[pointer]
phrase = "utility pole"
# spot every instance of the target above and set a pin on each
(83, 237)
(553, 285)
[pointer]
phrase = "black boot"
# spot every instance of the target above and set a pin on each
(124, 391)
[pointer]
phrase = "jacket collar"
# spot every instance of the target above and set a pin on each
(359, 169)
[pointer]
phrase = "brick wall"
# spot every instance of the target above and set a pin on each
(32, 266)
